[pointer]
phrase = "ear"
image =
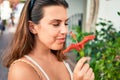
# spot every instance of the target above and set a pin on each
(32, 27)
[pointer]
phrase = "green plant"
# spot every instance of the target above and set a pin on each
(118, 13)
(104, 51)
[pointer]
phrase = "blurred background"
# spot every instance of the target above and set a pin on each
(9, 16)
(83, 15)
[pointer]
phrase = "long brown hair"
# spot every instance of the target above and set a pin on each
(23, 40)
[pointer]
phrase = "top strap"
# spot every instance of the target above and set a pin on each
(41, 69)
(35, 63)
(69, 69)
(21, 60)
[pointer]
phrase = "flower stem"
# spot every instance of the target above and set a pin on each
(81, 53)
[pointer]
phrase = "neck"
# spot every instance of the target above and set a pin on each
(41, 52)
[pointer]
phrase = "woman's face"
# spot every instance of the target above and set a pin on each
(52, 28)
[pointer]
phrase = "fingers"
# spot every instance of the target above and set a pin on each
(89, 75)
(92, 77)
(83, 71)
(84, 68)
(80, 64)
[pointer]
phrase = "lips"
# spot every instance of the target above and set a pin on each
(61, 40)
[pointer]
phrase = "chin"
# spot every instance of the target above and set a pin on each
(57, 48)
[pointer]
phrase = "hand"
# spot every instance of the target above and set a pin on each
(82, 70)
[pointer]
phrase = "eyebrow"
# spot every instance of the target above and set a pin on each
(58, 20)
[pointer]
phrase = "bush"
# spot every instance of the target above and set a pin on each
(104, 51)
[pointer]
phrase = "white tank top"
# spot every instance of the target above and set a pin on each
(44, 73)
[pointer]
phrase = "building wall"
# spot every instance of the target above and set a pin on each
(108, 10)
(76, 6)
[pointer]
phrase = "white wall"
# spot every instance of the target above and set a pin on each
(108, 10)
(76, 6)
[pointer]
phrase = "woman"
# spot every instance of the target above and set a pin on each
(35, 53)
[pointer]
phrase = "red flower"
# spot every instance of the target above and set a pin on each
(80, 45)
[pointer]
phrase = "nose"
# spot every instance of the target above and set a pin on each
(64, 29)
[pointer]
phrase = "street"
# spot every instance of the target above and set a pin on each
(5, 39)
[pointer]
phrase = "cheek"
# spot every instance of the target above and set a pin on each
(47, 35)
(49, 32)
(48, 38)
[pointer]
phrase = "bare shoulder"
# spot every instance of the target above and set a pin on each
(22, 71)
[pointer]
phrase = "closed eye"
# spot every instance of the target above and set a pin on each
(58, 24)
(66, 23)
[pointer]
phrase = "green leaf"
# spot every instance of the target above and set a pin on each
(103, 24)
(118, 13)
